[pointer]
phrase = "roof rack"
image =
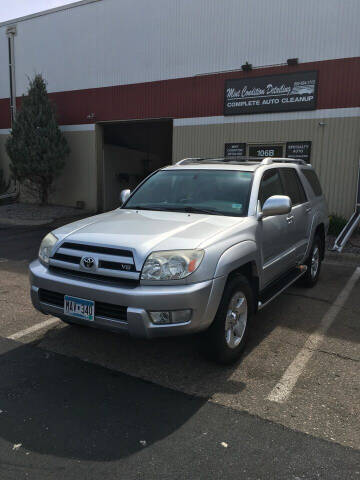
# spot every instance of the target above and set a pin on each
(188, 160)
(233, 159)
(269, 160)
(240, 160)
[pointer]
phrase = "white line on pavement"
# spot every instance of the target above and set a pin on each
(34, 328)
(284, 387)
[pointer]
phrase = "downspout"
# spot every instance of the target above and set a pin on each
(10, 33)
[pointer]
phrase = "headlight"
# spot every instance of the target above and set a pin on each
(46, 247)
(171, 265)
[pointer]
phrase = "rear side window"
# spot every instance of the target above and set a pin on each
(270, 185)
(312, 178)
(292, 186)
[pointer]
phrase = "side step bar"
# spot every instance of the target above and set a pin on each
(273, 290)
(346, 232)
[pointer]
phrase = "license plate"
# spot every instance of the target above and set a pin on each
(78, 307)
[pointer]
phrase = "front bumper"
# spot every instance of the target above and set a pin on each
(202, 298)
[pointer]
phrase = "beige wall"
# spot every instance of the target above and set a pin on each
(335, 149)
(79, 178)
(335, 155)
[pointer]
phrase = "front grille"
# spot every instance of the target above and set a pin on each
(67, 258)
(93, 277)
(97, 249)
(108, 310)
(125, 267)
(110, 262)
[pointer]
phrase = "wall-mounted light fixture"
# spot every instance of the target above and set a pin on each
(292, 61)
(246, 67)
(91, 116)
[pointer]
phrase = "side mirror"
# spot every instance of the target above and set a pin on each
(276, 205)
(124, 195)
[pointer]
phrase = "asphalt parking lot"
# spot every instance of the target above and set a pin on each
(76, 400)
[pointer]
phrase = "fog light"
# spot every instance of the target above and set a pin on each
(168, 317)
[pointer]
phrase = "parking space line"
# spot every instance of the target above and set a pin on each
(34, 328)
(284, 387)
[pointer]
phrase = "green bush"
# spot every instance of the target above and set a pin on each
(36, 146)
(337, 223)
(4, 184)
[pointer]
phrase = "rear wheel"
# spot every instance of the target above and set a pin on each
(225, 340)
(313, 264)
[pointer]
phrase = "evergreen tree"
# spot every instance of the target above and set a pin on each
(36, 146)
(4, 185)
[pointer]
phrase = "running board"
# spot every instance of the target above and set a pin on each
(273, 290)
(346, 232)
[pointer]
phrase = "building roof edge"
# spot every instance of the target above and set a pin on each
(47, 12)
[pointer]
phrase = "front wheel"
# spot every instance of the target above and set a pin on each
(225, 339)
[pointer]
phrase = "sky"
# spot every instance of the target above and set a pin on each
(10, 9)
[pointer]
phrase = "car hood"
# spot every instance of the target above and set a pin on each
(146, 231)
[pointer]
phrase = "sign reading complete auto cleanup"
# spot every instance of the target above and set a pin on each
(299, 150)
(275, 93)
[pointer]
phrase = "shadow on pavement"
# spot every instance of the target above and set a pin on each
(61, 406)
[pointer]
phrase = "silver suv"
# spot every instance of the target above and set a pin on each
(198, 246)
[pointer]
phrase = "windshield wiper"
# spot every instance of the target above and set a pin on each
(197, 210)
(176, 209)
(138, 207)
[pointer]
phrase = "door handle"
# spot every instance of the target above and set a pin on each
(290, 218)
(308, 209)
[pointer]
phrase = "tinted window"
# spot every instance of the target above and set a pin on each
(224, 192)
(270, 185)
(312, 178)
(292, 186)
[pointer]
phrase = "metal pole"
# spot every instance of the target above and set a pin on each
(10, 33)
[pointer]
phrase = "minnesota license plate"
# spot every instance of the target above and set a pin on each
(78, 307)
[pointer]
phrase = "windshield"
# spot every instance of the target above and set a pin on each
(215, 192)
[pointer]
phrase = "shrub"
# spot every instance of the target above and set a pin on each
(337, 223)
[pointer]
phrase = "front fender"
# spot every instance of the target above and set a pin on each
(237, 256)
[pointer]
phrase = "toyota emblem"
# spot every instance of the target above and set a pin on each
(88, 262)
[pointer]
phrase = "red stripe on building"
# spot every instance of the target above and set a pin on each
(4, 113)
(199, 96)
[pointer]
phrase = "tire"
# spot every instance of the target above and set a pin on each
(313, 263)
(224, 341)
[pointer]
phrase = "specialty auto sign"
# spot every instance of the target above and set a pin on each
(275, 93)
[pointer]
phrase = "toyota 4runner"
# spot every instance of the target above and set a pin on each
(198, 246)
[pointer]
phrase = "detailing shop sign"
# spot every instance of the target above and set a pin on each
(275, 93)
